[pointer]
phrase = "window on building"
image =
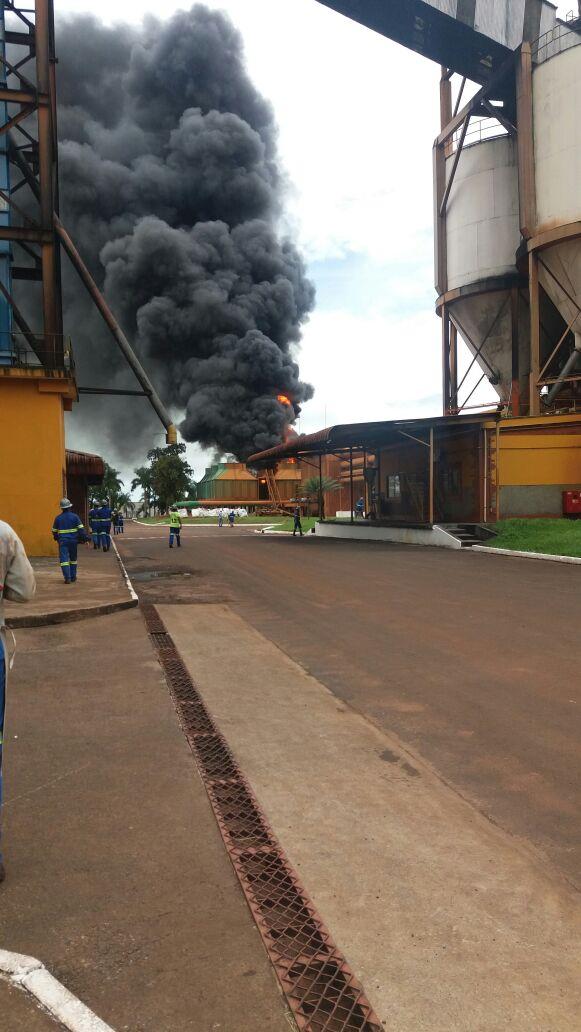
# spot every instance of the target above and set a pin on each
(394, 485)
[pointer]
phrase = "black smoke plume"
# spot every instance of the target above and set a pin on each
(171, 189)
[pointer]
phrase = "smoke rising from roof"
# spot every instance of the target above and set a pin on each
(171, 189)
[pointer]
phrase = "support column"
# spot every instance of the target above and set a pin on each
(431, 498)
(46, 168)
(515, 391)
(534, 399)
(446, 399)
(453, 368)
(351, 480)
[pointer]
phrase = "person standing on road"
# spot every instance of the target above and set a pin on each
(68, 531)
(360, 508)
(17, 584)
(231, 517)
(220, 518)
(297, 525)
(94, 525)
(104, 522)
(175, 526)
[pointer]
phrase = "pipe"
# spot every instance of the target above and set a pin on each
(567, 368)
(117, 332)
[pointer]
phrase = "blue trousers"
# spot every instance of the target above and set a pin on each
(105, 536)
(174, 532)
(2, 707)
(95, 535)
(68, 559)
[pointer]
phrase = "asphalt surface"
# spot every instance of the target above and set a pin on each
(471, 660)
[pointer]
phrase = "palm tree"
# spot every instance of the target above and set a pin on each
(143, 481)
(112, 484)
(124, 502)
(317, 487)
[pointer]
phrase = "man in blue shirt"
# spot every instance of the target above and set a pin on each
(94, 525)
(104, 523)
(67, 530)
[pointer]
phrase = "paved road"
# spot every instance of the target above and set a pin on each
(473, 661)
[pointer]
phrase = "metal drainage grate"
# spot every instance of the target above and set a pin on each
(324, 994)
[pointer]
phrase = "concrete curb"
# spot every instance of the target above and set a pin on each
(569, 559)
(84, 612)
(126, 578)
(30, 975)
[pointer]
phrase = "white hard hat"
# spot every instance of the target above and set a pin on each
(65, 504)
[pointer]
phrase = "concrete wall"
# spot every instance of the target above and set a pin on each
(400, 535)
(32, 460)
(533, 499)
(483, 213)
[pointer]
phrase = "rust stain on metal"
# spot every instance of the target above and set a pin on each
(322, 991)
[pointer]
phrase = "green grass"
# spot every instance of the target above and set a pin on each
(551, 536)
(307, 522)
(280, 522)
(163, 521)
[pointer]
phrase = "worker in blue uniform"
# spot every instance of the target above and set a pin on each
(68, 531)
(104, 517)
(93, 524)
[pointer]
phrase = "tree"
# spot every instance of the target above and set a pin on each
(315, 488)
(170, 474)
(143, 481)
(112, 485)
(124, 502)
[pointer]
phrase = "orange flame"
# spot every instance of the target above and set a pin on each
(283, 399)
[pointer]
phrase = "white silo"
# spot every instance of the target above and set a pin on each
(557, 164)
(482, 238)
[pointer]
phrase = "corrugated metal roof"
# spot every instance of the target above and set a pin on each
(358, 435)
(84, 464)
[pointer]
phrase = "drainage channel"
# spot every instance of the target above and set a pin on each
(322, 991)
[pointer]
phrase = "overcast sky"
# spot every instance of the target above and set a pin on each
(357, 116)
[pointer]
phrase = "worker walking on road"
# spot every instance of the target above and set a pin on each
(93, 524)
(17, 584)
(68, 530)
(104, 516)
(231, 517)
(175, 526)
(297, 525)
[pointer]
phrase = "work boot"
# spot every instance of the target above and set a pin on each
(2, 872)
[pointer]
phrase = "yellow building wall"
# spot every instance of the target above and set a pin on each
(32, 459)
(540, 458)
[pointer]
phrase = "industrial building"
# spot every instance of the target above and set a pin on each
(232, 483)
(507, 206)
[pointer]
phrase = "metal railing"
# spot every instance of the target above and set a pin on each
(52, 353)
(479, 130)
(562, 37)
